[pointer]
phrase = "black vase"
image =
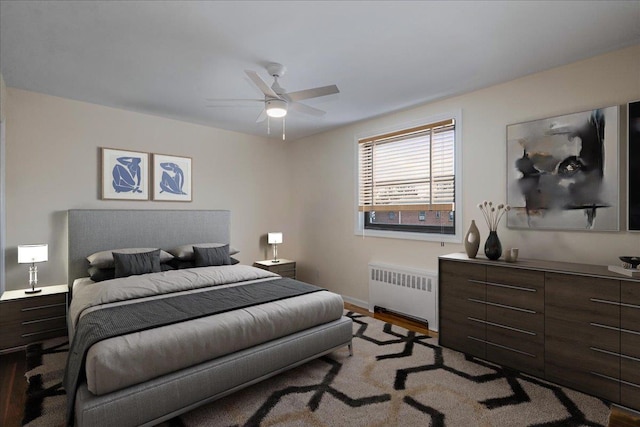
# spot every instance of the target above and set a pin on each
(492, 247)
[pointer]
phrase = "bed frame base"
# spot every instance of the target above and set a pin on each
(166, 397)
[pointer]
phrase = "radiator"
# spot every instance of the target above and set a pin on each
(405, 290)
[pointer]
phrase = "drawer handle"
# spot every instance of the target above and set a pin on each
(604, 301)
(517, 288)
(625, 304)
(612, 353)
(502, 346)
(495, 304)
(498, 325)
(607, 377)
(48, 319)
(615, 379)
(635, 359)
(42, 332)
(502, 285)
(629, 331)
(599, 350)
(600, 325)
(40, 307)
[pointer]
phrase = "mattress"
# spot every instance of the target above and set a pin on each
(131, 359)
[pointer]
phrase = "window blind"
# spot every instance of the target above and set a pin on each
(411, 169)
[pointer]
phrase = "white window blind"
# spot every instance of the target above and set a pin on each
(412, 169)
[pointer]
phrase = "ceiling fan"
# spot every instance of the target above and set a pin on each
(277, 101)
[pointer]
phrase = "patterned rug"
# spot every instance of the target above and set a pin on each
(395, 378)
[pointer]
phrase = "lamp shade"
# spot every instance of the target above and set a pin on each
(275, 238)
(28, 254)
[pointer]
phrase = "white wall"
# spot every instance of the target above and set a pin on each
(53, 164)
(329, 253)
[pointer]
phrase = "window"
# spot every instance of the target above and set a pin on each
(407, 180)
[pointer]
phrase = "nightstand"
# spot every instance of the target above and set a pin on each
(284, 267)
(29, 318)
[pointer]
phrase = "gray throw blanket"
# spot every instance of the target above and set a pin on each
(119, 320)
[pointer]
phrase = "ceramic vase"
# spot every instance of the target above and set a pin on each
(492, 247)
(472, 240)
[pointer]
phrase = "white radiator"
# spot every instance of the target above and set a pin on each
(405, 290)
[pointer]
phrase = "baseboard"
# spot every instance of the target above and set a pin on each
(356, 301)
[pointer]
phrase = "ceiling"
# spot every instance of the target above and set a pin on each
(167, 57)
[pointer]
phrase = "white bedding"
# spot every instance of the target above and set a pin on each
(134, 358)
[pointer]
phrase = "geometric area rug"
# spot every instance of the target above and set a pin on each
(396, 377)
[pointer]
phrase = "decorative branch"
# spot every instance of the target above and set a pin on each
(493, 214)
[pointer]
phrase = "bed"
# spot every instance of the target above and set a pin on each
(137, 378)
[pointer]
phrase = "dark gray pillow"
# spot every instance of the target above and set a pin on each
(204, 257)
(99, 274)
(133, 264)
(179, 265)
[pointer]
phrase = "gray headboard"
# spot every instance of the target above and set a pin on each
(94, 230)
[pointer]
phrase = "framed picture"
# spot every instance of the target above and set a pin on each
(563, 172)
(634, 166)
(171, 178)
(125, 175)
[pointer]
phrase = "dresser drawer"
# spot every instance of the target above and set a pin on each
(33, 308)
(515, 318)
(585, 300)
(630, 384)
(517, 288)
(283, 268)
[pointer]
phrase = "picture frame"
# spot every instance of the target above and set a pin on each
(563, 172)
(125, 174)
(633, 177)
(172, 178)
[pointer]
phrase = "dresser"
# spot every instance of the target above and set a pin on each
(30, 318)
(574, 324)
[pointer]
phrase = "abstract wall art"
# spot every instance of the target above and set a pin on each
(634, 165)
(125, 175)
(171, 178)
(563, 172)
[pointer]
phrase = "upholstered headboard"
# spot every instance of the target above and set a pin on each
(94, 230)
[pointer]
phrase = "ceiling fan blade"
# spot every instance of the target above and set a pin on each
(313, 93)
(232, 106)
(264, 87)
(302, 108)
(262, 116)
(232, 100)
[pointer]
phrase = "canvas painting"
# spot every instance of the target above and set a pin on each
(171, 178)
(563, 172)
(634, 165)
(125, 175)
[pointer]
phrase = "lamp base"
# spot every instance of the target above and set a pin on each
(32, 291)
(275, 261)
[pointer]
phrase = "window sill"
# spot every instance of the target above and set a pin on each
(447, 238)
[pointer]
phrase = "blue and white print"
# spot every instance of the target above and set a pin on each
(172, 179)
(127, 175)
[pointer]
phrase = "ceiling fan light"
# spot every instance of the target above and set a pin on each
(276, 108)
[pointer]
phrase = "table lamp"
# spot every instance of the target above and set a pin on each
(30, 254)
(274, 239)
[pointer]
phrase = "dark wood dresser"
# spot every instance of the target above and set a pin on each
(574, 324)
